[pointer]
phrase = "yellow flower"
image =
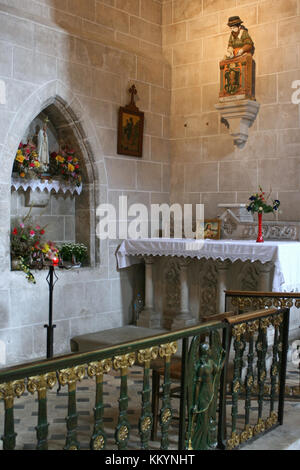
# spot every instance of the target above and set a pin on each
(46, 248)
(36, 163)
(71, 167)
(22, 174)
(75, 160)
(60, 159)
(19, 152)
(20, 158)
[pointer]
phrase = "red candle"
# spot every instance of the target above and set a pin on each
(55, 261)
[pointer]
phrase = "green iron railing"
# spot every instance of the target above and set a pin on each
(202, 406)
(255, 390)
(39, 377)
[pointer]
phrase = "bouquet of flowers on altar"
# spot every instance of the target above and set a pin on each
(28, 248)
(259, 203)
(26, 162)
(66, 165)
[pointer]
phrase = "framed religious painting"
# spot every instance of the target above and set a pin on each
(212, 229)
(130, 128)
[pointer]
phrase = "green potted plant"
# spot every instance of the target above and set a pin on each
(73, 253)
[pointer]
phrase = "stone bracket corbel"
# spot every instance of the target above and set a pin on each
(240, 116)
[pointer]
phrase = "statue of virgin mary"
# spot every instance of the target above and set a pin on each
(43, 145)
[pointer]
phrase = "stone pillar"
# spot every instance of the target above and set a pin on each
(149, 318)
(184, 318)
(264, 280)
(222, 267)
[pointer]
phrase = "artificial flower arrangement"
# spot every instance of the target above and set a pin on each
(26, 162)
(28, 247)
(66, 165)
(63, 165)
(259, 203)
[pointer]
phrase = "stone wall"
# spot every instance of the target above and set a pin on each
(80, 57)
(206, 167)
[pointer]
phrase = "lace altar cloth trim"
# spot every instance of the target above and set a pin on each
(284, 255)
(45, 185)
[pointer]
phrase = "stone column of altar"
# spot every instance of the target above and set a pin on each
(222, 267)
(264, 280)
(184, 317)
(149, 318)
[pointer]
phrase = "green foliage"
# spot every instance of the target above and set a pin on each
(71, 251)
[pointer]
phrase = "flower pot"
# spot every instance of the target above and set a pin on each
(259, 236)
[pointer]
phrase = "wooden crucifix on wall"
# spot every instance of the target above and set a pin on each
(130, 128)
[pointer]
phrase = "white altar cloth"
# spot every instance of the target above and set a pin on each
(285, 255)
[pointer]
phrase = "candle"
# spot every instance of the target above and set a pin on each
(55, 261)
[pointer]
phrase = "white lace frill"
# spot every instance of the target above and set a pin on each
(45, 185)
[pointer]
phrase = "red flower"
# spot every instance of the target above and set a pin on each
(15, 231)
(70, 159)
(32, 232)
(77, 166)
(32, 165)
(42, 232)
(53, 155)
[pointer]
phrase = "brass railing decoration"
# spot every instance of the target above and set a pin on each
(122, 433)
(145, 356)
(8, 392)
(41, 384)
(244, 300)
(166, 351)
(70, 377)
(251, 336)
(98, 369)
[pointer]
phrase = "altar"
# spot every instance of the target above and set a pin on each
(186, 279)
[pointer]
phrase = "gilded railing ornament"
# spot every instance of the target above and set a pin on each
(71, 376)
(123, 362)
(247, 434)
(123, 433)
(239, 330)
(146, 424)
(277, 321)
(259, 427)
(99, 368)
(10, 390)
(167, 350)
(234, 441)
(166, 415)
(41, 383)
(272, 420)
(99, 443)
(265, 323)
(145, 356)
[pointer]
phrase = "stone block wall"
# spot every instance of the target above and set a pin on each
(206, 167)
(80, 57)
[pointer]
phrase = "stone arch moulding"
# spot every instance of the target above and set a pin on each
(67, 104)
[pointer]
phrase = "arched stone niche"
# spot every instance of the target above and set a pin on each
(69, 218)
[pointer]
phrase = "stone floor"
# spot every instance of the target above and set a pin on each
(26, 409)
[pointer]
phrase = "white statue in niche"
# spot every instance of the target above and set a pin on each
(43, 144)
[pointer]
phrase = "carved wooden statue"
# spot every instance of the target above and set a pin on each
(238, 68)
